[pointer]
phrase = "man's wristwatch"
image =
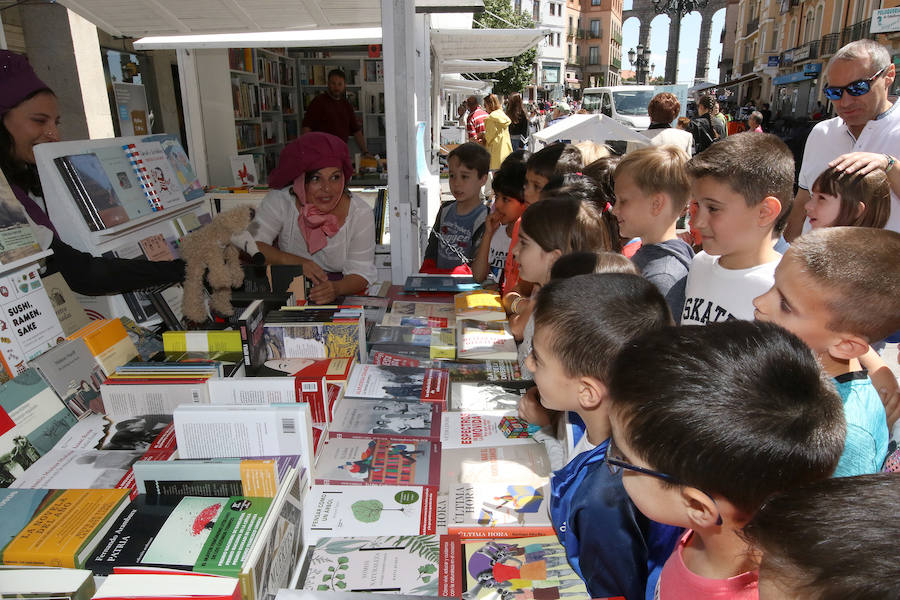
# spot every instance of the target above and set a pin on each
(890, 163)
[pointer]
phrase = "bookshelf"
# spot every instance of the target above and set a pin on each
(266, 107)
(365, 89)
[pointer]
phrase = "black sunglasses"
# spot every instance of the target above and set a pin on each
(615, 464)
(859, 87)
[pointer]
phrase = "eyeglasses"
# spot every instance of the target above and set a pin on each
(615, 464)
(860, 87)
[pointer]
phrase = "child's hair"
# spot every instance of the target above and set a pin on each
(871, 189)
(754, 165)
(509, 179)
(684, 123)
(572, 185)
(834, 539)
(602, 171)
(472, 156)
(659, 169)
(583, 263)
(857, 266)
(491, 102)
(737, 408)
(570, 222)
(591, 151)
(555, 158)
(592, 316)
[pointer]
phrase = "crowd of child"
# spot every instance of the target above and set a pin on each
(725, 437)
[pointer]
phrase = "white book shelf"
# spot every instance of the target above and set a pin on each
(74, 230)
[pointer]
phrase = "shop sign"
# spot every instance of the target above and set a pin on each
(801, 53)
(886, 20)
(812, 69)
(774, 61)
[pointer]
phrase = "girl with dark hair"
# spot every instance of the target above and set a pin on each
(518, 129)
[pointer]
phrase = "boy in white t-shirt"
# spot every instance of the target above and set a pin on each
(742, 190)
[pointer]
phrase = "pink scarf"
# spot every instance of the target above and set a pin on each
(317, 226)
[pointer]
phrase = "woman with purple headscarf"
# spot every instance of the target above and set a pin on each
(319, 224)
(29, 115)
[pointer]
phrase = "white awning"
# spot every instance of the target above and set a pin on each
(454, 83)
(473, 66)
(484, 43)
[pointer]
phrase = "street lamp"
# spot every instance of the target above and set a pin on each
(676, 9)
(640, 60)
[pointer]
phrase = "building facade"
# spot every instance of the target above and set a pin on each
(781, 49)
(593, 44)
(550, 62)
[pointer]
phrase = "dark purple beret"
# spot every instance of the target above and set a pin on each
(17, 80)
(310, 152)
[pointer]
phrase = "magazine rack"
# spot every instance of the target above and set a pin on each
(123, 239)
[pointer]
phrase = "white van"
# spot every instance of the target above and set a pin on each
(627, 104)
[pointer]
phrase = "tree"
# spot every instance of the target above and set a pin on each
(520, 74)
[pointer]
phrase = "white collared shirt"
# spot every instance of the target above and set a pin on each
(831, 138)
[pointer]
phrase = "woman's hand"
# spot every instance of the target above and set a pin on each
(323, 293)
(313, 272)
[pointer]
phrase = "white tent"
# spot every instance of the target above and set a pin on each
(594, 128)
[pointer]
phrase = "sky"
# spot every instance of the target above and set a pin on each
(690, 37)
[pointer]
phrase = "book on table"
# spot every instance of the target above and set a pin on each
(440, 283)
(312, 378)
(479, 305)
(386, 418)
(485, 340)
(379, 461)
(414, 341)
(47, 584)
(377, 382)
(162, 585)
(525, 464)
(345, 510)
(496, 510)
(260, 476)
(421, 314)
(479, 429)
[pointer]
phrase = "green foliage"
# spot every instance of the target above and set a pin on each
(426, 546)
(521, 73)
(367, 511)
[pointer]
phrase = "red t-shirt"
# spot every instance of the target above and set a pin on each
(475, 123)
(511, 269)
(331, 116)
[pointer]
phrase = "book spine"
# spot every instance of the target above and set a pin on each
(486, 533)
(137, 163)
(76, 189)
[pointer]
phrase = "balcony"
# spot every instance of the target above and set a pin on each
(594, 34)
(857, 31)
(747, 67)
(618, 38)
(576, 60)
(752, 26)
(807, 51)
(829, 44)
(571, 34)
(616, 63)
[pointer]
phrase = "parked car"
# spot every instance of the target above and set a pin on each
(627, 104)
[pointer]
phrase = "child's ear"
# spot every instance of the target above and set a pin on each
(701, 510)
(591, 392)
(848, 346)
(483, 179)
(658, 204)
(769, 209)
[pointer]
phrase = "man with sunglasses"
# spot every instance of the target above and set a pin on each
(865, 134)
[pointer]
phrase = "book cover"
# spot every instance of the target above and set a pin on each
(379, 461)
(156, 248)
(440, 283)
(249, 431)
(202, 341)
(345, 510)
(28, 325)
(83, 468)
(143, 433)
(182, 532)
(389, 564)
(127, 399)
(95, 193)
(252, 330)
(311, 377)
(314, 340)
(32, 421)
(520, 566)
(378, 382)
(498, 510)
(418, 342)
(386, 418)
(254, 390)
(72, 372)
(19, 508)
(17, 239)
(160, 173)
(476, 430)
(184, 171)
(243, 170)
(69, 311)
(421, 314)
(527, 464)
(128, 187)
(213, 476)
(108, 341)
(485, 339)
(67, 529)
(480, 305)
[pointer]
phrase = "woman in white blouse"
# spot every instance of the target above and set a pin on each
(319, 224)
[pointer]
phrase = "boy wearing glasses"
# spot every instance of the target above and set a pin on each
(580, 323)
(708, 422)
(865, 134)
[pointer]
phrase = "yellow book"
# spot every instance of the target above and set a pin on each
(259, 477)
(202, 341)
(66, 531)
(481, 305)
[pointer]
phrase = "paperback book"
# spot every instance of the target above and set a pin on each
(440, 283)
(17, 239)
(485, 340)
(527, 464)
(420, 314)
(380, 461)
(259, 477)
(417, 342)
(476, 430)
(414, 384)
(498, 510)
(386, 418)
(479, 305)
(72, 372)
(345, 510)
